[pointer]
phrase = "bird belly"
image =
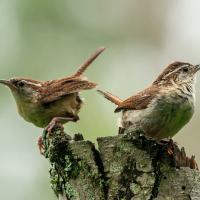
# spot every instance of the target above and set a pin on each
(162, 119)
(41, 114)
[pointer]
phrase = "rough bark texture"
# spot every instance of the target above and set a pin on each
(127, 167)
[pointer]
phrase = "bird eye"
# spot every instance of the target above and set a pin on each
(185, 69)
(20, 84)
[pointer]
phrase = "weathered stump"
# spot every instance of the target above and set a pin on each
(127, 167)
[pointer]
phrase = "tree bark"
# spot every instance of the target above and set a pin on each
(126, 167)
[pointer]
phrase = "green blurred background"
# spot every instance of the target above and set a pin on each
(46, 39)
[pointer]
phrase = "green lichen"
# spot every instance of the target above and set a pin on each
(63, 165)
(89, 174)
(69, 191)
(135, 188)
(73, 173)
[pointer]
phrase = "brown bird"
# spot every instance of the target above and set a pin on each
(162, 109)
(45, 103)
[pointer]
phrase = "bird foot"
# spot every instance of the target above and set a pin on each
(57, 122)
(170, 145)
(40, 145)
(52, 126)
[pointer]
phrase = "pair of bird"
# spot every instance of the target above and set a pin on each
(160, 110)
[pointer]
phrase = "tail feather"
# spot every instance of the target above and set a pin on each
(114, 99)
(86, 64)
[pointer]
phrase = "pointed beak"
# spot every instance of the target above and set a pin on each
(196, 68)
(7, 83)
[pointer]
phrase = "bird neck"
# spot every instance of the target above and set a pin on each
(184, 88)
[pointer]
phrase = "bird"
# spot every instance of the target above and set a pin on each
(164, 107)
(47, 103)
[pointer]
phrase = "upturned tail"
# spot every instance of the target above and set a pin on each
(114, 99)
(87, 63)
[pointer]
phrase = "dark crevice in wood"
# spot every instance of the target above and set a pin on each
(129, 166)
(99, 164)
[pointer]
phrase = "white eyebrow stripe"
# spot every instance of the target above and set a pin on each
(176, 70)
(31, 83)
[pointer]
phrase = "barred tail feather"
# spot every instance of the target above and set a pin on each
(87, 63)
(114, 99)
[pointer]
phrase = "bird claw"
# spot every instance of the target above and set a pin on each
(41, 145)
(52, 125)
(170, 151)
(57, 122)
(170, 145)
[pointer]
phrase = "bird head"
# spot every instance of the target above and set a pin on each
(22, 89)
(178, 73)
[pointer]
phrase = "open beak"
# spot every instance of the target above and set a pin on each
(196, 68)
(7, 83)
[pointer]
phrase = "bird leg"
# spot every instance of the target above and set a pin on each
(40, 145)
(170, 145)
(55, 122)
(59, 121)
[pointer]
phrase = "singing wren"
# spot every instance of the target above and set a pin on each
(163, 108)
(45, 103)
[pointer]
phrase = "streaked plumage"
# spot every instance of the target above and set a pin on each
(165, 107)
(39, 102)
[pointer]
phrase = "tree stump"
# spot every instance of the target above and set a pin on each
(125, 167)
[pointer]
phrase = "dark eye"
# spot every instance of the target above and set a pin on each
(20, 83)
(185, 69)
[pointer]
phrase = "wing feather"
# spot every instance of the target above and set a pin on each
(139, 101)
(57, 89)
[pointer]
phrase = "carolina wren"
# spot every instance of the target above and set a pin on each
(45, 103)
(162, 109)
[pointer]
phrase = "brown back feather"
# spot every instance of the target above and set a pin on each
(139, 101)
(58, 89)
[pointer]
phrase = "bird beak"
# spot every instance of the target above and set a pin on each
(196, 68)
(7, 83)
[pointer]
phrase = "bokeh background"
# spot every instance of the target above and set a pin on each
(48, 39)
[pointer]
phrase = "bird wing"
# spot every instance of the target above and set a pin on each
(139, 101)
(56, 89)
